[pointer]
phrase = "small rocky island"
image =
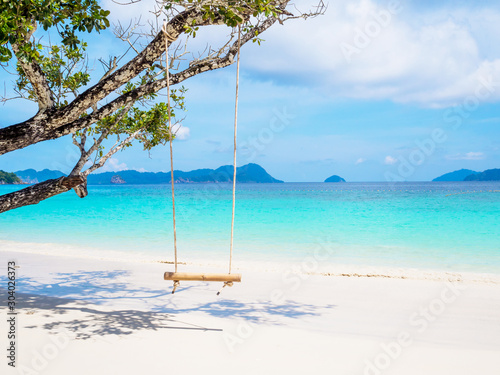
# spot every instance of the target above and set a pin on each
(116, 179)
(334, 178)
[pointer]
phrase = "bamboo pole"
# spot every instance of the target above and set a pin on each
(191, 276)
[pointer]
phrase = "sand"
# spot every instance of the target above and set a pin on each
(85, 315)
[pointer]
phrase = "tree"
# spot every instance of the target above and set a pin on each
(122, 103)
(8, 178)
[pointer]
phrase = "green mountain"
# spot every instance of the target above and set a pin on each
(488, 175)
(334, 178)
(456, 176)
(9, 178)
(246, 173)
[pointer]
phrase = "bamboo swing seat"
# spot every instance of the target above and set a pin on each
(192, 276)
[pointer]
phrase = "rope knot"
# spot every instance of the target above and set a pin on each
(176, 284)
(167, 35)
(226, 283)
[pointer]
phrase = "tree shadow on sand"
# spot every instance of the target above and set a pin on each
(85, 292)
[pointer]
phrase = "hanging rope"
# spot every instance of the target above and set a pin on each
(171, 152)
(234, 153)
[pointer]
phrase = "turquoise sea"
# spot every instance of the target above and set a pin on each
(427, 225)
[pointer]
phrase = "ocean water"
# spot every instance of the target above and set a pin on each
(445, 226)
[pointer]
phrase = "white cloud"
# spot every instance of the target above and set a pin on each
(429, 55)
(114, 165)
(360, 160)
(467, 156)
(432, 56)
(182, 133)
(389, 160)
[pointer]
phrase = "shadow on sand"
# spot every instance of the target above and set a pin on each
(88, 293)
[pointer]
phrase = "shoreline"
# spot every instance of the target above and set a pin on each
(307, 266)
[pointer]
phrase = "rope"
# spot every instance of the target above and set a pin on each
(235, 143)
(226, 283)
(171, 152)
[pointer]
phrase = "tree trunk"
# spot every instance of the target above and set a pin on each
(39, 192)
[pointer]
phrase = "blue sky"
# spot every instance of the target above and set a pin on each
(371, 91)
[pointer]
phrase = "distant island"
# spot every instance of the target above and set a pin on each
(468, 175)
(250, 173)
(488, 175)
(30, 176)
(9, 178)
(456, 176)
(334, 178)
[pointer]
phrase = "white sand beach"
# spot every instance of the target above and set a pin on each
(81, 315)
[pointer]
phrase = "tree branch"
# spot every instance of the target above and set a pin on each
(36, 193)
(35, 75)
(111, 152)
